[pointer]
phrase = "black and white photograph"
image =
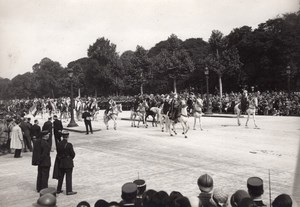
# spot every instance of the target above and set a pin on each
(162, 103)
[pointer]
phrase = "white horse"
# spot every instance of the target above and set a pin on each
(112, 115)
(140, 114)
(182, 118)
(251, 110)
(197, 112)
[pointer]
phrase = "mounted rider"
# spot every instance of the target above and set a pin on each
(190, 102)
(244, 102)
(174, 113)
(109, 106)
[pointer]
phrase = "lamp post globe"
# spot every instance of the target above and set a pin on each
(72, 121)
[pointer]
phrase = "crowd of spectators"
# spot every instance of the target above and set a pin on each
(269, 102)
(135, 194)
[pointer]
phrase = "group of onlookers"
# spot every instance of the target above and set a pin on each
(135, 194)
(269, 103)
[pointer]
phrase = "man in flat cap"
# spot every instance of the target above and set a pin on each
(64, 162)
(256, 190)
(44, 162)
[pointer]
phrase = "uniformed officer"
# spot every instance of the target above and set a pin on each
(256, 190)
(205, 184)
(44, 162)
(141, 188)
(129, 193)
(64, 163)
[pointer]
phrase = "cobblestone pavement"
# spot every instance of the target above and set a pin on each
(107, 159)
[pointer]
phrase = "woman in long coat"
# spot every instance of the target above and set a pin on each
(16, 139)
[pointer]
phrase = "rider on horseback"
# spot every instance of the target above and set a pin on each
(174, 110)
(109, 107)
(189, 103)
(244, 101)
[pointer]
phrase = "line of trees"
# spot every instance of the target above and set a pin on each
(245, 56)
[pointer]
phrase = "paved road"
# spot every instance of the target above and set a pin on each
(108, 158)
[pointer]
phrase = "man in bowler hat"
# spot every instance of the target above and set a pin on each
(44, 162)
(64, 163)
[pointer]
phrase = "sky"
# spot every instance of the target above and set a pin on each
(62, 30)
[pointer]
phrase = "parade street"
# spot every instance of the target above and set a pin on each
(107, 159)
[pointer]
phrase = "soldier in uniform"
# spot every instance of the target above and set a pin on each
(205, 184)
(129, 193)
(141, 188)
(256, 190)
(44, 162)
(48, 126)
(64, 164)
(57, 128)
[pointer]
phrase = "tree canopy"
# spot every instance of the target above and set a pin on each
(245, 57)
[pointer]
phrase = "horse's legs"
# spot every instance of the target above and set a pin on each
(195, 120)
(200, 122)
(248, 116)
(115, 124)
(254, 119)
(238, 118)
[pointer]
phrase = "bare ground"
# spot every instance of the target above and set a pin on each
(109, 158)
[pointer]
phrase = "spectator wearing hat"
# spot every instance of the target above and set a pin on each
(83, 204)
(64, 164)
(219, 198)
(86, 115)
(48, 126)
(47, 200)
(101, 203)
(16, 141)
(205, 184)
(44, 162)
(161, 199)
(237, 197)
(256, 190)
(283, 200)
(129, 193)
(141, 188)
(174, 195)
(182, 202)
(57, 129)
(148, 198)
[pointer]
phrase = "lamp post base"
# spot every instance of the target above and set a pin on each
(72, 124)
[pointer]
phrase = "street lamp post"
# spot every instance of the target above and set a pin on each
(72, 121)
(288, 72)
(206, 73)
